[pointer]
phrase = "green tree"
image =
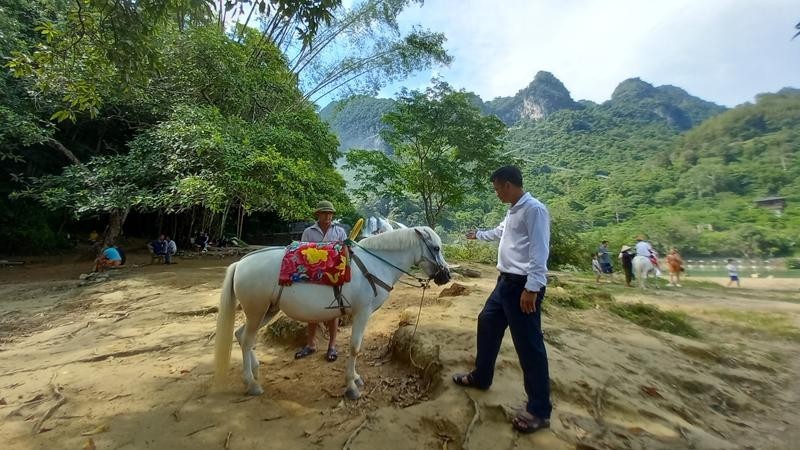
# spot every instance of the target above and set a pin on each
(443, 148)
(196, 158)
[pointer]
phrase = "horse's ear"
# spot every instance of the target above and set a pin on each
(419, 233)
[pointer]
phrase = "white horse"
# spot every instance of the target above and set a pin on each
(642, 266)
(253, 281)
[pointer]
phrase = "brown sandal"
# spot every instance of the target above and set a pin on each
(527, 423)
(466, 380)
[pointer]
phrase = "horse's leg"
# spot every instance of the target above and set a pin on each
(641, 273)
(249, 360)
(254, 364)
(352, 378)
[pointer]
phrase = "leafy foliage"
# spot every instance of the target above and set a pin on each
(362, 50)
(627, 167)
(210, 125)
(196, 158)
(443, 148)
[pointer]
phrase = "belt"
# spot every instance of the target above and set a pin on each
(514, 278)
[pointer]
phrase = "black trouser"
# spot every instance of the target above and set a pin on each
(502, 310)
(628, 268)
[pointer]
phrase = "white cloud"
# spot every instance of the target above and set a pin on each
(721, 50)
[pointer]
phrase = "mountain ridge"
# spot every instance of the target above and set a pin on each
(357, 120)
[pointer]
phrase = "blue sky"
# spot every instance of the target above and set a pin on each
(725, 51)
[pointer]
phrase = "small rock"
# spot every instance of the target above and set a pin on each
(454, 290)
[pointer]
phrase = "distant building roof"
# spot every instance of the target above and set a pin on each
(769, 199)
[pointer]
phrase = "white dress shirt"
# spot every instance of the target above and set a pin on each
(314, 234)
(524, 241)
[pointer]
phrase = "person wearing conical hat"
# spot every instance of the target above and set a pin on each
(323, 230)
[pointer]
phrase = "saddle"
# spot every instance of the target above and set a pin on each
(326, 263)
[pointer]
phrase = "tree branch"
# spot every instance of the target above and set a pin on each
(64, 150)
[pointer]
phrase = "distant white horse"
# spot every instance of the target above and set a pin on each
(642, 266)
(253, 281)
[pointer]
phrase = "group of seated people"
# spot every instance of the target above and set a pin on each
(165, 247)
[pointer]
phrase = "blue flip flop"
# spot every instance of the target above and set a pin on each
(303, 352)
(331, 355)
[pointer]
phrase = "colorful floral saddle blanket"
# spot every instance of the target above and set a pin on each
(315, 262)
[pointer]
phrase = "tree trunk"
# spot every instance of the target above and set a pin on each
(191, 224)
(64, 150)
(241, 222)
(224, 219)
(115, 222)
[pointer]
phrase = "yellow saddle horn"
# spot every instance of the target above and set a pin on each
(356, 229)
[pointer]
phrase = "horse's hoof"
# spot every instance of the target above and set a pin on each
(255, 390)
(359, 382)
(352, 394)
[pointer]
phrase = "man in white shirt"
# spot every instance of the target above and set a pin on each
(323, 230)
(516, 301)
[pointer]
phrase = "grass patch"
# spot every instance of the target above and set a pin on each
(569, 301)
(650, 316)
(578, 297)
(771, 323)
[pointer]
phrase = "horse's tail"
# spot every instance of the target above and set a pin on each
(224, 335)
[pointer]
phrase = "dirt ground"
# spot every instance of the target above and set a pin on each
(126, 364)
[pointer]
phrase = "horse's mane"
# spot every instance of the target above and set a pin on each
(394, 240)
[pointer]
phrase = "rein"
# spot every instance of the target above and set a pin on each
(422, 282)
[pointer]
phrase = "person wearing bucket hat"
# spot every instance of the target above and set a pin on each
(626, 258)
(323, 230)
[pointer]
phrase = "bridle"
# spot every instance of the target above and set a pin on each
(433, 252)
(421, 282)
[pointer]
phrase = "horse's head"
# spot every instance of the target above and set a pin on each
(432, 260)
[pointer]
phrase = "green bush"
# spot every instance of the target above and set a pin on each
(793, 263)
